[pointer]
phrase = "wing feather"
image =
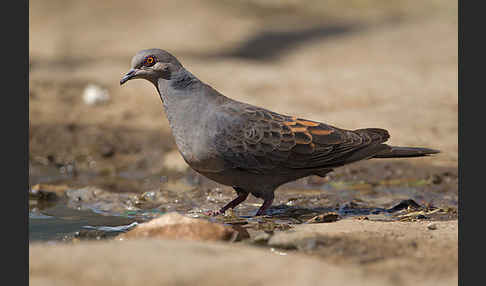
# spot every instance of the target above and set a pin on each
(262, 141)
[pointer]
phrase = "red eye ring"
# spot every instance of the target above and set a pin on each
(149, 61)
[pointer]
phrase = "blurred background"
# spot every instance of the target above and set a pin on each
(352, 64)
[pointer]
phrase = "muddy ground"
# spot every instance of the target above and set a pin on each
(392, 66)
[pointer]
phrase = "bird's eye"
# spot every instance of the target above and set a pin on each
(149, 61)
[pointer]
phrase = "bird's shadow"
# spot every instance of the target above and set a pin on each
(271, 44)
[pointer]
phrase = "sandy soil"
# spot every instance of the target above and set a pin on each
(347, 252)
(387, 66)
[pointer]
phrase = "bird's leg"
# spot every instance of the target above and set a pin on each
(238, 200)
(267, 202)
(242, 195)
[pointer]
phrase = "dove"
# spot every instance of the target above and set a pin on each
(250, 148)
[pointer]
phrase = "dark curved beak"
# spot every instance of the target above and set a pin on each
(130, 74)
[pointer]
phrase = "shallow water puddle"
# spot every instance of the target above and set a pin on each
(84, 211)
(59, 222)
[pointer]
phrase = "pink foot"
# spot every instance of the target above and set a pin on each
(241, 197)
(213, 213)
(266, 204)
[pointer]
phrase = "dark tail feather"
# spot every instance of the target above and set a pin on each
(398, 152)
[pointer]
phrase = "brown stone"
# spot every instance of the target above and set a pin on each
(47, 192)
(327, 217)
(176, 226)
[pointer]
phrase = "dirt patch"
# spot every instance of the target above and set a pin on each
(348, 252)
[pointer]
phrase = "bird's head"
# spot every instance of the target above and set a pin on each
(152, 64)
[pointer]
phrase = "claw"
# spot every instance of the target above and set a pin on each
(267, 202)
(213, 213)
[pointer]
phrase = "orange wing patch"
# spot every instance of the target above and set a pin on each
(304, 131)
(307, 123)
(321, 131)
(290, 123)
(298, 129)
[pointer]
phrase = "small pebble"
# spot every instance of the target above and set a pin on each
(261, 238)
(421, 216)
(94, 95)
(277, 251)
(327, 217)
(432, 226)
(149, 196)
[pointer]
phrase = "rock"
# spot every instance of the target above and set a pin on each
(421, 216)
(176, 226)
(93, 234)
(436, 179)
(47, 192)
(93, 198)
(261, 238)
(174, 161)
(327, 217)
(149, 196)
(84, 194)
(94, 95)
(405, 204)
(432, 226)
(290, 239)
(107, 151)
(241, 233)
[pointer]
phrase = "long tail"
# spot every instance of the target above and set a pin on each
(398, 152)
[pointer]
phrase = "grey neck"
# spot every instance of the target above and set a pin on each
(181, 83)
(189, 106)
(185, 98)
(183, 79)
(185, 90)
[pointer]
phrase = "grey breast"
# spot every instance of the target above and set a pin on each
(190, 116)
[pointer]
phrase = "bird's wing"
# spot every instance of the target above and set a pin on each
(262, 141)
